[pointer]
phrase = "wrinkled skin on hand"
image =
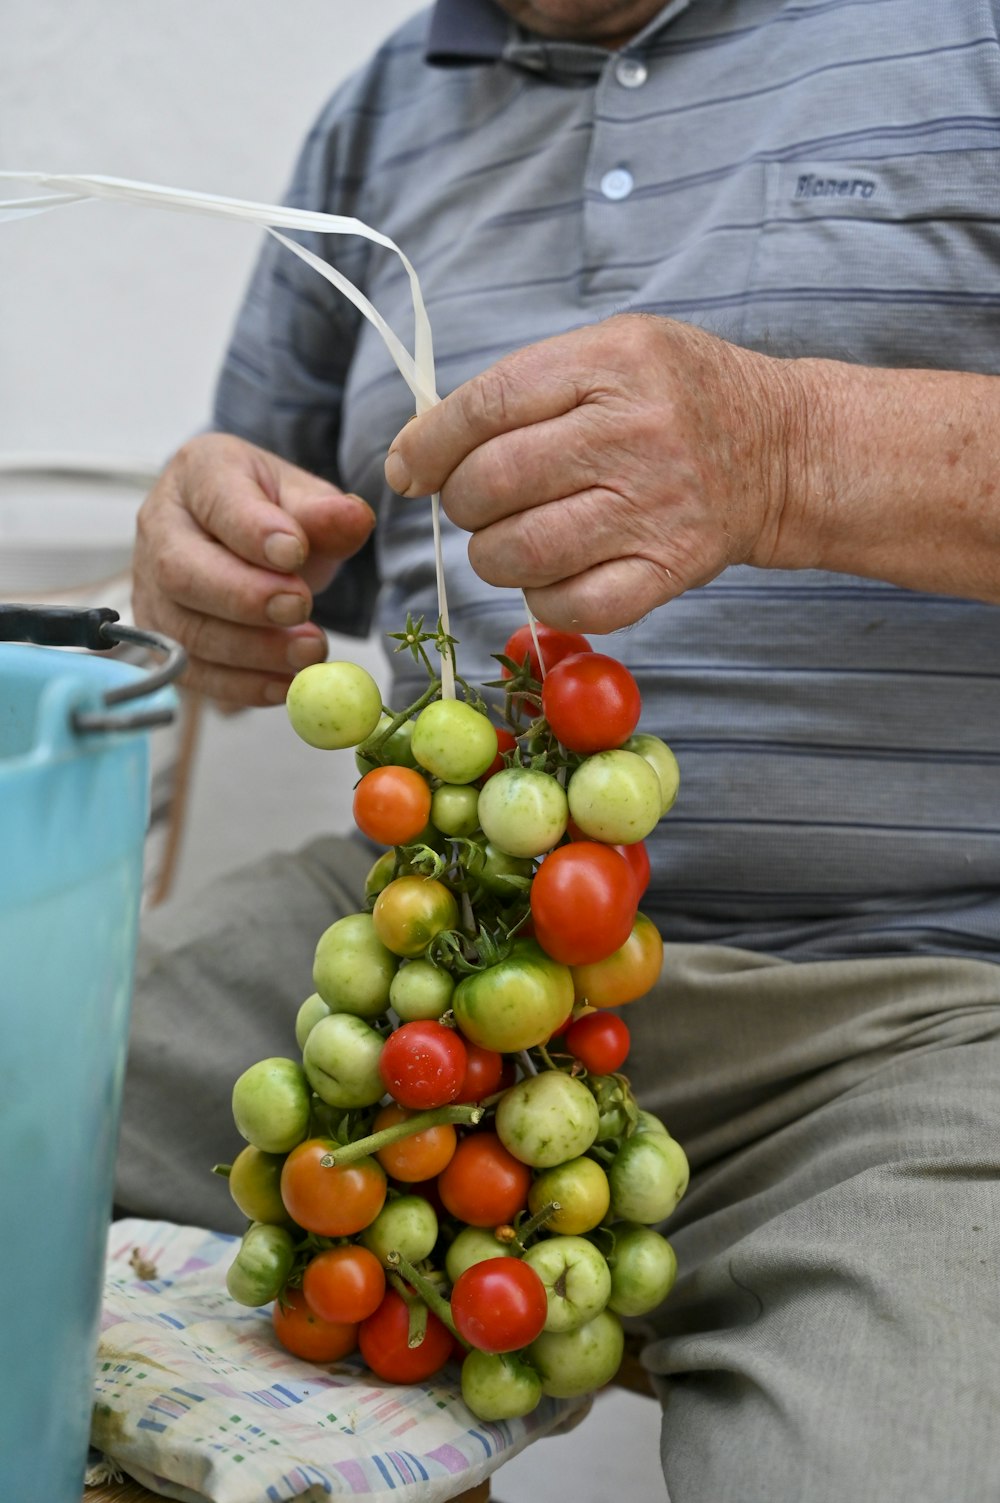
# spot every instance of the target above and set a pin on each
(608, 470)
(231, 544)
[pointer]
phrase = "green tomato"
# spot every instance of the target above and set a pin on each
(352, 968)
(648, 1176)
(576, 1277)
(505, 876)
(580, 1187)
(453, 741)
(646, 1122)
(255, 1185)
(663, 762)
(380, 874)
(454, 809)
(333, 705)
(271, 1105)
(407, 1225)
(341, 1061)
(643, 1269)
(571, 1363)
(499, 1385)
(546, 1119)
(523, 812)
(474, 1244)
(263, 1262)
(396, 750)
(516, 1004)
(312, 1009)
(420, 990)
(614, 796)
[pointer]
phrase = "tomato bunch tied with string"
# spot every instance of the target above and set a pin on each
(454, 1167)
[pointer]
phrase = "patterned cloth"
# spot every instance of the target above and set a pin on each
(196, 1400)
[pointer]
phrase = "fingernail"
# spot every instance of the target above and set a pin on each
(397, 473)
(284, 551)
(287, 610)
(275, 694)
(361, 502)
(304, 651)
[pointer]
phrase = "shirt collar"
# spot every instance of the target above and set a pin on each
(466, 32)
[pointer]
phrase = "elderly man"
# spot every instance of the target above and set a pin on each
(713, 290)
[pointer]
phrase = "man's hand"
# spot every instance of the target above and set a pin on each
(608, 470)
(231, 544)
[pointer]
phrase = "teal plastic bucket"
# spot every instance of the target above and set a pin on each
(73, 817)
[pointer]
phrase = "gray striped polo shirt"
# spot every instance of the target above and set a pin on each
(814, 177)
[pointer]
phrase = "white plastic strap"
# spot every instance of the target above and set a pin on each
(417, 370)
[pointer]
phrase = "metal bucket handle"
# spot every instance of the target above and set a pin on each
(98, 629)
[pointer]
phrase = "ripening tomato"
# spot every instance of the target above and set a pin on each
(305, 1334)
(410, 911)
(484, 1070)
(384, 1342)
(583, 902)
(343, 1283)
(600, 1041)
(554, 644)
(484, 1185)
(334, 1202)
(515, 1004)
(627, 974)
(423, 1064)
(499, 1304)
(420, 1156)
(392, 805)
(591, 702)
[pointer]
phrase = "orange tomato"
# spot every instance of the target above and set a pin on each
(420, 1156)
(627, 973)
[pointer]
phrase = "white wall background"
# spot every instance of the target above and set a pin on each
(112, 321)
(113, 318)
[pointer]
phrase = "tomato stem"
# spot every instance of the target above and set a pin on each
(373, 746)
(535, 1223)
(224, 1169)
(417, 1329)
(432, 1297)
(465, 1114)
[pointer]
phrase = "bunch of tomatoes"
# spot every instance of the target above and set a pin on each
(456, 1168)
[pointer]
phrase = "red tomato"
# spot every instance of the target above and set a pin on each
(423, 1064)
(591, 702)
(630, 972)
(392, 805)
(506, 741)
(555, 645)
(638, 859)
(483, 1073)
(383, 1341)
(499, 1304)
(420, 1156)
(303, 1333)
(600, 1041)
(484, 1185)
(583, 902)
(343, 1284)
(335, 1202)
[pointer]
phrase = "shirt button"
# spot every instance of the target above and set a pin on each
(630, 73)
(618, 183)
